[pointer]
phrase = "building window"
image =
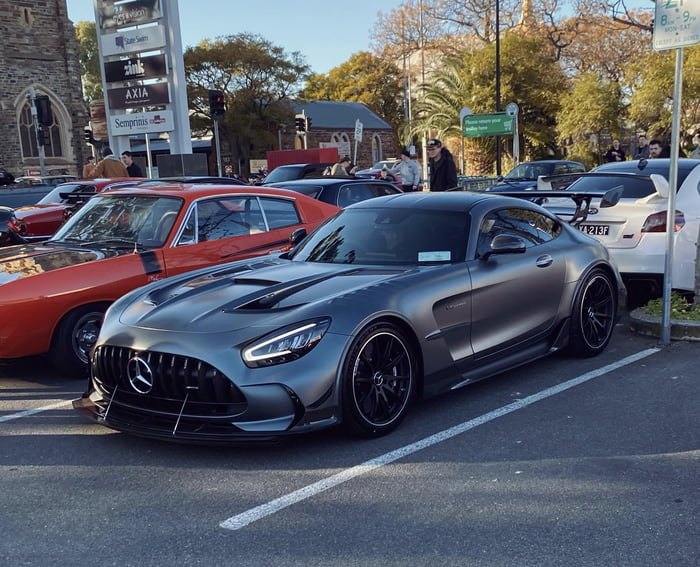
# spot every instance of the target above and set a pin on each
(376, 148)
(27, 135)
(340, 137)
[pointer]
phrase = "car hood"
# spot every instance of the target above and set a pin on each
(242, 295)
(22, 261)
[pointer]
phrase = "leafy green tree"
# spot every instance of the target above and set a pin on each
(534, 83)
(652, 87)
(591, 107)
(362, 78)
(258, 80)
(88, 55)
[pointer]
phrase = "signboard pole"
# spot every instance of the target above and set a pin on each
(671, 212)
(148, 157)
(218, 147)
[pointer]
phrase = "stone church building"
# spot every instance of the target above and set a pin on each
(39, 54)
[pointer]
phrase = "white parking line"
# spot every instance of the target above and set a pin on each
(259, 512)
(25, 413)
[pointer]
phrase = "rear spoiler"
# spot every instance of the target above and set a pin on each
(582, 199)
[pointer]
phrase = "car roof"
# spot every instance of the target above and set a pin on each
(326, 180)
(194, 191)
(647, 166)
(441, 201)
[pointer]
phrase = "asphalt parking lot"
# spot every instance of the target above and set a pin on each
(560, 462)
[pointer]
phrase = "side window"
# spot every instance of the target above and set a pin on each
(221, 217)
(533, 227)
(560, 169)
(279, 213)
(353, 193)
(380, 189)
(576, 168)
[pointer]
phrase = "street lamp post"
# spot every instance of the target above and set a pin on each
(498, 82)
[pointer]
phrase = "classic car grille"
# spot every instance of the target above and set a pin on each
(180, 383)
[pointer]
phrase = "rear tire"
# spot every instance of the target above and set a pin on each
(593, 317)
(75, 336)
(379, 379)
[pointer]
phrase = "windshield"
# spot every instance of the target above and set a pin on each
(386, 237)
(128, 220)
(528, 171)
(283, 173)
(54, 196)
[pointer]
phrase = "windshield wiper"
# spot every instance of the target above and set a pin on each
(116, 242)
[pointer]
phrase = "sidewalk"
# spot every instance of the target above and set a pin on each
(650, 325)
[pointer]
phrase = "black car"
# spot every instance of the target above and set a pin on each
(294, 171)
(339, 191)
(6, 177)
(524, 176)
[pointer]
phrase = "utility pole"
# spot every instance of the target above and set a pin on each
(37, 131)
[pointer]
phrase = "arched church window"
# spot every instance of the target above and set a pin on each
(28, 137)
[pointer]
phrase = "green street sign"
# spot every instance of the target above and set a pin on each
(495, 124)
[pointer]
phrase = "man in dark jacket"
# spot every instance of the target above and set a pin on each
(132, 167)
(443, 172)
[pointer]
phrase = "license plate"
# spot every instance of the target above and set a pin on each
(594, 229)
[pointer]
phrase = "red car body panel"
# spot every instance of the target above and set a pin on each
(41, 283)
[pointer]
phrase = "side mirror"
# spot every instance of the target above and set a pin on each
(297, 236)
(505, 244)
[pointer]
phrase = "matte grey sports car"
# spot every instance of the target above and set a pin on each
(393, 298)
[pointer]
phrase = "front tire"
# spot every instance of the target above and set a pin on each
(379, 379)
(593, 317)
(75, 336)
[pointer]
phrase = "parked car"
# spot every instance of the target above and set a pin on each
(340, 191)
(524, 176)
(197, 179)
(54, 294)
(293, 171)
(43, 180)
(40, 221)
(393, 298)
(635, 230)
(6, 178)
(391, 165)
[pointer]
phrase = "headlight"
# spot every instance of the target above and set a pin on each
(285, 344)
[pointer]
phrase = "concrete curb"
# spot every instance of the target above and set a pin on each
(650, 326)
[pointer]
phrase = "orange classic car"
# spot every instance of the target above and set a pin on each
(53, 294)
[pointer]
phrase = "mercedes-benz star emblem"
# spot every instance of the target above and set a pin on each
(140, 374)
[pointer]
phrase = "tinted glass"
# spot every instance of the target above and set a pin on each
(660, 167)
(533, 227)
(388, 236)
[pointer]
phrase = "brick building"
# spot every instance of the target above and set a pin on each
(39, 51)
(334, 123)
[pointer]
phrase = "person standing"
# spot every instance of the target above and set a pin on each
(656, 150)
(616, 153)
(341, 168)
(642, 149)
(88, 167)
(109, 166)
(443, 171)
(409, 170)
(695, 154)
(133, 168)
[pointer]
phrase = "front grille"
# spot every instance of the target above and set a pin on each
(181, 385)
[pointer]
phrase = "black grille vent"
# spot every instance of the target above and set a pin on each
(175, 377)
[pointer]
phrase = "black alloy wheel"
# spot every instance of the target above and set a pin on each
(379, 378)
(593, 318)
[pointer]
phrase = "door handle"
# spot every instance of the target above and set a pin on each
(544, 261)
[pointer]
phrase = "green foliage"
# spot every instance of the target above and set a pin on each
(680, 308)
(88, 56)
(258, 80)
(591, 106)
(362, 78)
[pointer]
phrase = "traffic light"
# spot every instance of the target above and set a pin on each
(43, 110)
(308, 123)
(217, 108)
(300, 121)
(44, 137)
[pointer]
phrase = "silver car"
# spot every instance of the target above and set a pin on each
(392, 299)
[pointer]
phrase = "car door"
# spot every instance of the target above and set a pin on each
(515, 296)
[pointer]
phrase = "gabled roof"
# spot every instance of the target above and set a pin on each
(340, 115)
